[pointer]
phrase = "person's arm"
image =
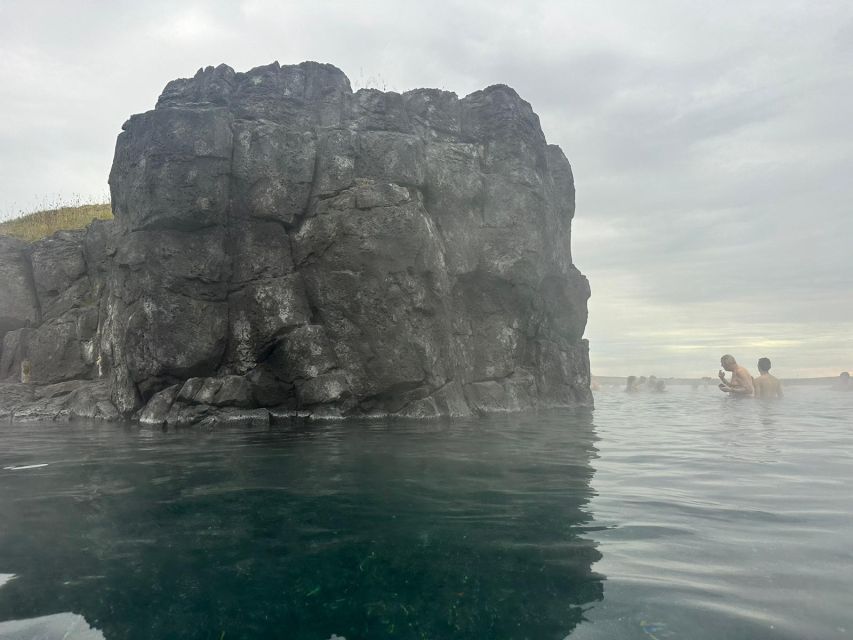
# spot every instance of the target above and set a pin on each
(779, 393)
(757, 388)
(741, 384)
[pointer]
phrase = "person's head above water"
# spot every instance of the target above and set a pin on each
(728, 362)
(764, 365)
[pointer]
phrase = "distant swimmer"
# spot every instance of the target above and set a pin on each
(741, 382)
(631, 384)
(844, 382)
(766, 385)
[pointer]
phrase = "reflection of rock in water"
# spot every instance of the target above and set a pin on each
(60, 626)
(475, 529)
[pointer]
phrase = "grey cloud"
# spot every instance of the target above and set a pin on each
(708, 142)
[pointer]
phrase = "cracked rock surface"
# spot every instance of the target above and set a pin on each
(283, 245)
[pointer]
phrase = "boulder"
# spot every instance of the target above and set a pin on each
(58, 350)
(66, 401)
(157, 409)
(282, 242)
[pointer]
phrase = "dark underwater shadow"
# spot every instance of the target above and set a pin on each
(468, 529)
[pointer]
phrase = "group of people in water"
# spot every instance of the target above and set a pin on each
(739, 384)
(643, 383)
(743, 384)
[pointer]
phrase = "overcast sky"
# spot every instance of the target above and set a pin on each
(712, 142)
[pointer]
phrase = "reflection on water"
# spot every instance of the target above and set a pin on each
(711, 519)
(471, 529)
(66, 626)
(723, 518)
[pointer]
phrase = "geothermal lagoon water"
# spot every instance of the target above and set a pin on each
(676, 515)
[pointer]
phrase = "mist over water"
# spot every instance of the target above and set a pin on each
(723, 518)
(682, 514)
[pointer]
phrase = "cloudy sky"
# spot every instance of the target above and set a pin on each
(712, 142)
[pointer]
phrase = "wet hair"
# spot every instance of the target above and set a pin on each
(728, 358)
(764, 364)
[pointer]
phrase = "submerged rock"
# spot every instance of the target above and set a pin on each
(282, 242)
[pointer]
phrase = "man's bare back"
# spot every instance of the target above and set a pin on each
(767, 385)
(741, 382)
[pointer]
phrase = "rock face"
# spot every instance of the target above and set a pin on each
(281, 242)
(18, 304)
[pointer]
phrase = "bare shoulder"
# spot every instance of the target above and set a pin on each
(767, 386)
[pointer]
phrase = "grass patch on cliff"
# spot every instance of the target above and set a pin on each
(40, 224)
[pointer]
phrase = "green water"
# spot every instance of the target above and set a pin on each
(679, 515)
(470, 529)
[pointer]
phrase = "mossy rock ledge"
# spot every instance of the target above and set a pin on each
(283, 246)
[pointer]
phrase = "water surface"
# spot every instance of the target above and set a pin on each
(676, 515)
(723, 518)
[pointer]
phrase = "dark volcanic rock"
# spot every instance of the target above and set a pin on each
(282, 242)
(66, 290)
(59, 272)
(63, 401)
(19, 306)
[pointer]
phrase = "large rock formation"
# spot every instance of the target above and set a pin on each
(283, 243)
